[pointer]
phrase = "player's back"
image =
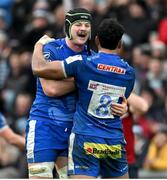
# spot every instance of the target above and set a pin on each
(101, 80)
(58, 109)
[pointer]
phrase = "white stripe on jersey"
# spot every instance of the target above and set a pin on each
(31, 139)
(70, 150)
(63, 68)
(72, 59)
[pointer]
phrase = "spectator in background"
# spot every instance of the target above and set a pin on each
(150, 123)
(6, 6)
(8, 134)
(4, 54)
(137, 24)
(141, 56)
(155, 76)
(3, 23)
(15, 82)
(22, 105)
(156, 158)
(12, 161)
(20, 12)
(26, 71)
(39, 24)
(58, 23)
(158, 49)
(162, 26)
(18, 80)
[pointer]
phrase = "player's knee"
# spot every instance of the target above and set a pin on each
(42, 170)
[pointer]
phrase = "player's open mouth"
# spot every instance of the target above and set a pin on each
(82, 34)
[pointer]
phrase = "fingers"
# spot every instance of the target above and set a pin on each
(124, 100)
(45, 39)
(119, 109)
(117, 112)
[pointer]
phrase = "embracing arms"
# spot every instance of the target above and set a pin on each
(54, 70)
(137, 104)
(42, 68)
(47, 70)
(56, 88)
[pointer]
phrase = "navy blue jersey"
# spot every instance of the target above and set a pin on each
(58, 109)
(3, 122)
(101, 79)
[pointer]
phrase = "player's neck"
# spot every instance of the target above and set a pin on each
(74, 47)
(108, 51)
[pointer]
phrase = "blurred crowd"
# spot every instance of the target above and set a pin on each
(23, 22)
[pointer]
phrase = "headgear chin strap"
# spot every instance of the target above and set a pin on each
(72, 16)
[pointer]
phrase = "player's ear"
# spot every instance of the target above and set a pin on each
(97, 41)
(119, 44)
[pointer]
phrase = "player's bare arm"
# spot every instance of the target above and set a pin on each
(53, 88)
(137, 104)
(42, 68)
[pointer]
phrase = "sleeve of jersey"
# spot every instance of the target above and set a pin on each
(133, 80)
(49, 52)
(71, 65)
(3, 123)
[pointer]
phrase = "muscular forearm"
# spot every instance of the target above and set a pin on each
(42, 68)
(137, 104)
(38, 61)
(54, 88)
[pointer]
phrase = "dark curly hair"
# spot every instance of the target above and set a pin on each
(110, 33)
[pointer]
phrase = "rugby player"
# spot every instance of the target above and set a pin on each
(98, 146)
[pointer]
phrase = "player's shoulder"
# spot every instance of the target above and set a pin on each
(127, 68)
(126, 64)
(82, 58)
(56, 44)
(54, 49)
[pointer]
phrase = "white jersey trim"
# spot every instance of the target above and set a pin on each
(31, 139)
(63, 68)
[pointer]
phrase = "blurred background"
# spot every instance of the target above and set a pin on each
(23, 22)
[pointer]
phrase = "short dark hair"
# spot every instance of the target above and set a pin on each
(109, 33)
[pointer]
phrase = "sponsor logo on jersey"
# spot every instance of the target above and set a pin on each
(72, 59)
(92, 86)
(106, 88)
(103, 150)
(47, 55)
(114, 69)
